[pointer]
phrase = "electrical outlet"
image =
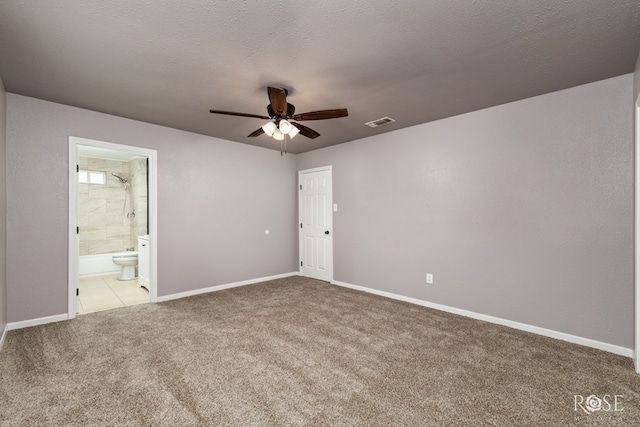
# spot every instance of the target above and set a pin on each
(429, 279)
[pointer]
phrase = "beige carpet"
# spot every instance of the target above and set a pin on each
(301, 352)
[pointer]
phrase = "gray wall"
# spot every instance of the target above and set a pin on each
(636, 80)
(522, 211)
(3, 209)
(215, 199)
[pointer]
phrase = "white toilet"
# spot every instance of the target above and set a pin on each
(128, 261)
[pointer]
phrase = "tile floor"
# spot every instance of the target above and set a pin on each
(98, 293)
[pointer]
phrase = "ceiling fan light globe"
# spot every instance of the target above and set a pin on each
(285, 126)
(293, 132)
(269, 128)
(277, 134)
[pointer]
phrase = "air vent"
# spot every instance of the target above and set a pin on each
(380, 122)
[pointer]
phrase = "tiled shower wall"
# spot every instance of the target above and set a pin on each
(138, 170)
(104, 225)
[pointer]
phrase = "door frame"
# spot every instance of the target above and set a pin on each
(74, 245)
(636, 245)
(300, 201)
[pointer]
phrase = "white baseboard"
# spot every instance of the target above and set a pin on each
(224, 286)
(35, 322)
(622, 351)
(4, 336)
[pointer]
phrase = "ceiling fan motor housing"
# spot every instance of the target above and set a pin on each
(291, 110)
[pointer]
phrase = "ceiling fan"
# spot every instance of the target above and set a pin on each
(283, 117)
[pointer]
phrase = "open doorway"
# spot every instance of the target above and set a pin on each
(112, 214)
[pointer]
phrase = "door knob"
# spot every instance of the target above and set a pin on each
(326, 232)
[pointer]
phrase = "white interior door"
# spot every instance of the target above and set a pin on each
(316, 223)
(73, 245)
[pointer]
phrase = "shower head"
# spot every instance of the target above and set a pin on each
(122, 180)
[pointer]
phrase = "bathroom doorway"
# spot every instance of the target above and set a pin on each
(112, 213)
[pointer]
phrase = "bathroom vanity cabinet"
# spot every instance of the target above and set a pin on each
(143, 261)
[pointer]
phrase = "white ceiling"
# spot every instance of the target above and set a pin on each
(168, 62)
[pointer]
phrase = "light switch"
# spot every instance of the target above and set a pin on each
(335, 207)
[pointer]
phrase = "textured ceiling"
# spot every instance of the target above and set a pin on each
(168, 62)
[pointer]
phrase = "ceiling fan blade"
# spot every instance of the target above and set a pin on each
(308, 132)
(231, 113)
(278, 100)
(256, 132)
(322, 114)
